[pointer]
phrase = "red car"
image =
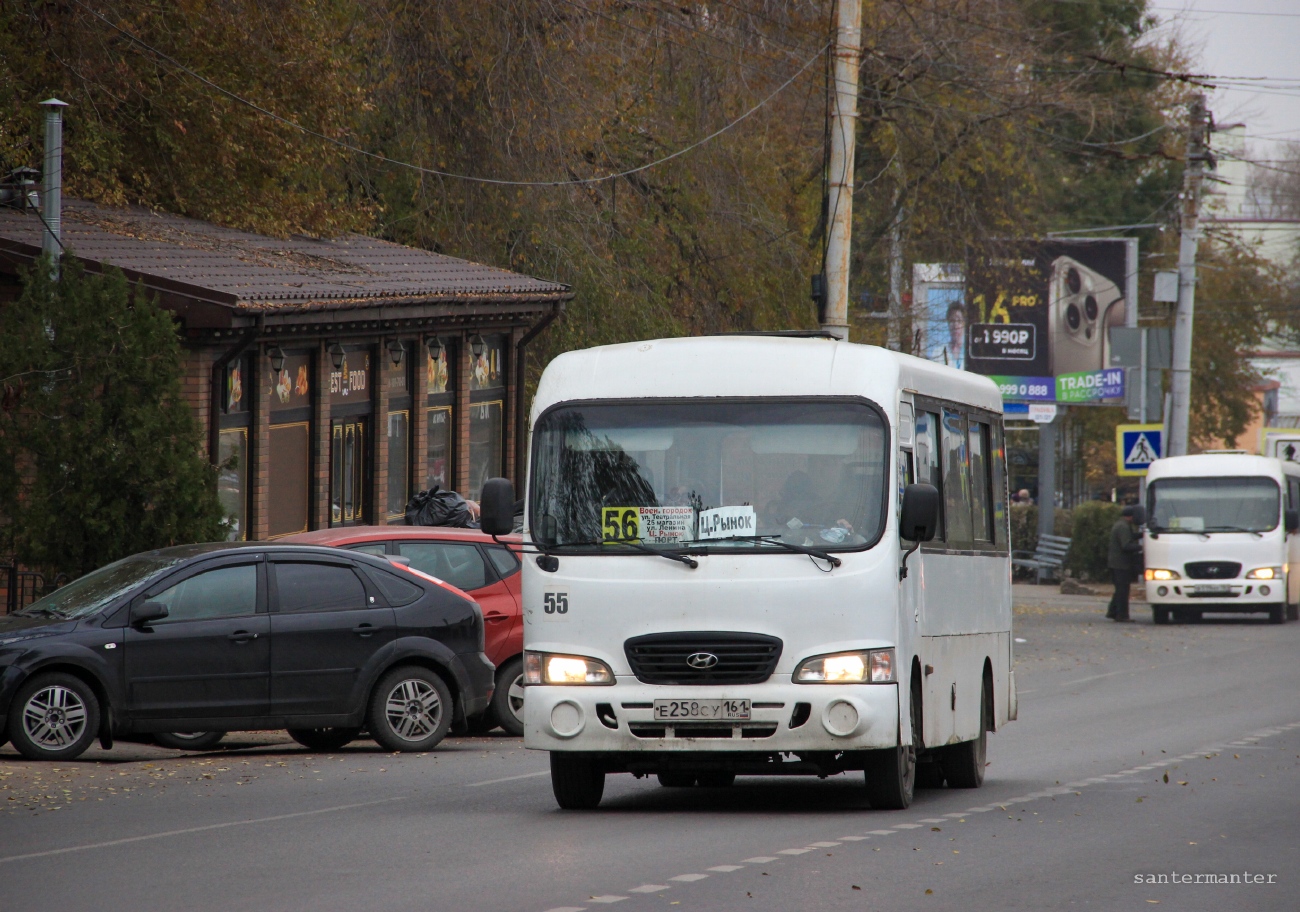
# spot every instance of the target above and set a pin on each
(470, 560)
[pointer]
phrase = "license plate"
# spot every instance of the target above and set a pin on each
(1213, 590)
(707, 710)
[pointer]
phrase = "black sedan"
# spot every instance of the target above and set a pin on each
(239, 637)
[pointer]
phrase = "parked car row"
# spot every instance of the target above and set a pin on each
(184, 644)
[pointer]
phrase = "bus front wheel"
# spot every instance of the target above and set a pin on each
(891, 773)
(577, 782)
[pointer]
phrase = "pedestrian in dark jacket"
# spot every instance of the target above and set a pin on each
(1124, 558)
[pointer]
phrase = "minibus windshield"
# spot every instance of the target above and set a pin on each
(707, 474)
(1213, 505)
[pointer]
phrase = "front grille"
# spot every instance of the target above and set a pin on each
(1212, 570)
(742, 658)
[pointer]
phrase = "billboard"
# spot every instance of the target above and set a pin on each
(1038, 316)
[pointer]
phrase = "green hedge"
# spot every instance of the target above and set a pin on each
(1024, 525)
(1092, 524)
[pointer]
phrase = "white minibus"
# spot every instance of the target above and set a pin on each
(1220, 536)
(763, 555)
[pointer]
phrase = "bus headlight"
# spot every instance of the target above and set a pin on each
(546, 668)
(1163, 575)
(1265, 573)
(867, 666)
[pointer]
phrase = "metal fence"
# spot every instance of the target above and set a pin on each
(22, 587)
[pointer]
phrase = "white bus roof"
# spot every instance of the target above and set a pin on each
(1205, 465)
(754, 366)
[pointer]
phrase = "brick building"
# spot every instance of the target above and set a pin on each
(334, 377)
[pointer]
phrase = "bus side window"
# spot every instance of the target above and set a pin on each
(906, 476)
(926, 458)
(956, 479)
(998, 455)
(980, 502)
(1293, 493)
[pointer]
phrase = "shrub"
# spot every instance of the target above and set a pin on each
(1091, 533)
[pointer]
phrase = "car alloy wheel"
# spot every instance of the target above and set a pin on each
(54, 717)
(413, 709)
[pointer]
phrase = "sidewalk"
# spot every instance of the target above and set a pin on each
(1025, 595)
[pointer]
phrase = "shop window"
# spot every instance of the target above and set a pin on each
(349, 458)
(232, 480)
(485, 445)
(438, 461)
(399, 462)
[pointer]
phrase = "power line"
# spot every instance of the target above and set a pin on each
(448, 174)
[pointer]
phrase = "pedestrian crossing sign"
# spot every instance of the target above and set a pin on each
(1137, 446)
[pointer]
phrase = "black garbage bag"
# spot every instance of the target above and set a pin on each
(439, 507)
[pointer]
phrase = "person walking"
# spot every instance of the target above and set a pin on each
(1124, 558)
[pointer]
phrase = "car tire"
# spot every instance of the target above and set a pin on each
(716, 780)
(963, 763)
(891, 773)
(188, 741)
(410, 710)
(54, 717)
(676, 780)
(508, 698)
(577, 782)
(324, 739)
(1159, 614)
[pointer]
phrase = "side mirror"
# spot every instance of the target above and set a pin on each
(920, 518)
(1291, 519)
(497, 507)
(145, 614)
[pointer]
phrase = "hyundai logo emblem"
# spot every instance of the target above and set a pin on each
(701, 660)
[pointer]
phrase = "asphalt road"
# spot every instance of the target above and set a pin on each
(1141, 752)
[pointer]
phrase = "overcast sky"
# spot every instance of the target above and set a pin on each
(1245, 38)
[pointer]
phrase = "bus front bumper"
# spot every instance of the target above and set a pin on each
(1230, 595)
(783, 717)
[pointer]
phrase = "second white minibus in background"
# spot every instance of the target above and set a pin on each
(1220, 536)
(763, 556)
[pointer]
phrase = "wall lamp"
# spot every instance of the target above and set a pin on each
(476, 344)
(396, 351)
(337, 354)
(435, 347)
(277, 359)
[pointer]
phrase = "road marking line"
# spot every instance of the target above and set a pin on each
(568, 909)
(853, 838)
(978, 810)
(823, 845)
(934, 820)
(794, 851)
(903, 826)
(689, 878)
(761, 859)
(726, 869)
(509, 779)
(650, 888)
(199, 829)
(882, 832)
(607, 899)
(954, 816)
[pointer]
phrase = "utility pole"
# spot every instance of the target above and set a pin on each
(844, 125)
(1181, 387)
(895, 329)
(52, 197)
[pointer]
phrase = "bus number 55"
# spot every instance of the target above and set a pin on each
(555, 602)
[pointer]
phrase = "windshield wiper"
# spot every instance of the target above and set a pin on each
(779, 542)
(678, 556)
(1233, 529)
(32, 611)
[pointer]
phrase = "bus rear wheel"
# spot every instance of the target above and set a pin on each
(963, 764)
(577, 782)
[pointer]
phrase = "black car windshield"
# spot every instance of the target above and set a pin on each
(86, 595)
(1213, 505)
(690, 473)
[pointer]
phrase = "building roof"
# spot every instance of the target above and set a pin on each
(253, 273)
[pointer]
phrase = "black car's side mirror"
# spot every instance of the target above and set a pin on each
(920, 517)
(497, 507)
(145, 614)
(1291, 519)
